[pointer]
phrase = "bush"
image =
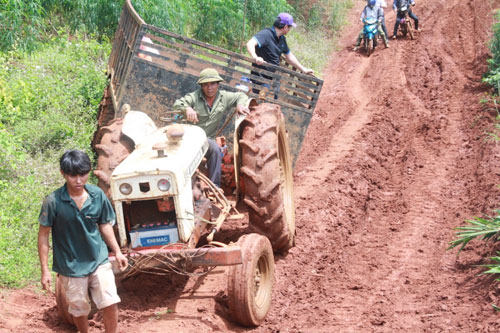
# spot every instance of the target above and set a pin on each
(493, 75)
(49, 106)
(217, 22)
(20, 24)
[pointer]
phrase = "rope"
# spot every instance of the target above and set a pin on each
(165, 263)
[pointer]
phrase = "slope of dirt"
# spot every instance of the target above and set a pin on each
(394, 159)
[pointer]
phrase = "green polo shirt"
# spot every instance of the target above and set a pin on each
(209, 118)
(77, 243)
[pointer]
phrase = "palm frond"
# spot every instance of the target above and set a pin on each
(483, 228)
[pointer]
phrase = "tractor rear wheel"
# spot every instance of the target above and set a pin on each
(250, 284)
(112, 149)
(267, 175)
(105, 115)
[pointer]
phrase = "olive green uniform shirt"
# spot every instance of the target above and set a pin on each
(209, 118)
(78, 247)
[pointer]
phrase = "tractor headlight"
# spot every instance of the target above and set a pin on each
(163, 185)
(125, 188)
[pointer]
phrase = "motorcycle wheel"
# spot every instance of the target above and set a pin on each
(369, 47)
(410, 29)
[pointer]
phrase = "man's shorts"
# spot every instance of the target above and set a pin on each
(101, 284)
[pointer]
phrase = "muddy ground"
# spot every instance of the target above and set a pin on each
(395, 157)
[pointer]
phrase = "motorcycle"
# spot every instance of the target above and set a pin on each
(370, 35)
(405, 22)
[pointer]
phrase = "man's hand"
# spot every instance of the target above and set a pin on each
(308, 71)
(122, 261)
(46, 280)
(259, 60)
(191, 115)
(242, 110)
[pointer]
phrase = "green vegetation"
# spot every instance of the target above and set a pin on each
(49, 105)
(486, 228)
(493, 75)
(53, 56)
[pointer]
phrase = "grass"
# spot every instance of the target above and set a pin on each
(48, 106)
(312, 42)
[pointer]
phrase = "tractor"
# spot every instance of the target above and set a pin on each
(150, 163)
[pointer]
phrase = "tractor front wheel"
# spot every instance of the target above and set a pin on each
(250, 284)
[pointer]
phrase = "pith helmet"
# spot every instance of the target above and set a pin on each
(209, 75)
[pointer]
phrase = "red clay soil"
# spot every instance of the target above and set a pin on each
(394, 159)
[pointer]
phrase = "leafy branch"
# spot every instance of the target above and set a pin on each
(483, 228)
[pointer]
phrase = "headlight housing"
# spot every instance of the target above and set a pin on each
(125, 188)
(163, 185)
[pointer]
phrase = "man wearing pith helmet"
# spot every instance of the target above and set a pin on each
(206, 108)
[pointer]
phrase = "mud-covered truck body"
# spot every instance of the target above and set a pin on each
(150, 162)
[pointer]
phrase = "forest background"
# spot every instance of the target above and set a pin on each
(53, 57)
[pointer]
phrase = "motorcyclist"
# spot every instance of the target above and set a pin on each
(372, 11)
(382, 4)
(397, 5)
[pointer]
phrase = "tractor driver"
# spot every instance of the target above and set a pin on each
(206, 107)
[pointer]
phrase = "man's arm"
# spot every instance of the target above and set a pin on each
(251, 45)
(108, 235)
(292, 60)
(238, 100)
(186, 104)
(43, 254)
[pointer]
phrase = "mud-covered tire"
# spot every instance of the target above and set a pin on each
(266, 170)
(111, 150)
(62, 304)
(105, 115)
(250, 284)
(369, 47)
(410, 29)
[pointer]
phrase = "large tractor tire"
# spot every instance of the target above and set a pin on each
(62, 304)
(111, 150)
(250, 284)
(105, 115)
(267, 175)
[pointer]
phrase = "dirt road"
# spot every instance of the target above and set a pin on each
(394, 159)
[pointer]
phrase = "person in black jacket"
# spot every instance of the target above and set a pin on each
(398, 5)
(269, 44)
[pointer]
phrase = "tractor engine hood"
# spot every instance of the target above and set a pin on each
(157, 155)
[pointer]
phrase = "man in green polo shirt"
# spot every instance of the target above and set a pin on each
(80, 218)
(206, 108)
